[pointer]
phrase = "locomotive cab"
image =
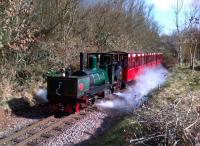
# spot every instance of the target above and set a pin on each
(112, 63)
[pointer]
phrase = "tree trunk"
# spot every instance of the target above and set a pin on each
(191, 57)
(180, 56)
(194, 55)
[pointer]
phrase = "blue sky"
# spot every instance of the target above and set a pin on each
(164, 14)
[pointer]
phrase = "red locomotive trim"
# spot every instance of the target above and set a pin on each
(81, 86)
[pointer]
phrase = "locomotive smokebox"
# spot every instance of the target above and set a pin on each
(82, 61)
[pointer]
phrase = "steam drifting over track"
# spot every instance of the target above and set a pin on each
(136, 94)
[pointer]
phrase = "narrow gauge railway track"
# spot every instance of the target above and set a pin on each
(40, 129)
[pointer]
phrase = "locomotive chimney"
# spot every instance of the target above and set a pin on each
(82, 61)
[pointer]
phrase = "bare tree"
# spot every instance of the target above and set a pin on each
(178, 6)
(192, 32)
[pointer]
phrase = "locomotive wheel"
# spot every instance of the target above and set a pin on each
(61, 107)
(74, 105)
(78, 107)
(91, 99)
(112, 89)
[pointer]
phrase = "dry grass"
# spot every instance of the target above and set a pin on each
(171, 116)
(13, 86)
(175, 109)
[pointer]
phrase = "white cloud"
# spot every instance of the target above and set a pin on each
(167, 5)
(162, 5)
(164, 13)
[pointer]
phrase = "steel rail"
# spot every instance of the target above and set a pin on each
(38, 134)
(67, 119)
(58, 122)
(23, 131)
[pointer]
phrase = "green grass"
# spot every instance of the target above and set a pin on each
(3, 103)
(120, 133)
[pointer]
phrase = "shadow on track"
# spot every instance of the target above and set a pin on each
(20, 107)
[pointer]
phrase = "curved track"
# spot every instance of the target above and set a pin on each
(41, 129)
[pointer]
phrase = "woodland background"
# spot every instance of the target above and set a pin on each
(39, 35)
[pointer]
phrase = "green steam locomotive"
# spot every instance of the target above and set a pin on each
(99, 74)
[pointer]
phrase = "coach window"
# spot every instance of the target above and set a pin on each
(142, 59)
(157, 57)
(146, 58)
(137, 60)
(153, 57)
(149, 58)
(131, 61)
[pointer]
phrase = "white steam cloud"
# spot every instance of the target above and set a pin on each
(42, 95)
(136, 94)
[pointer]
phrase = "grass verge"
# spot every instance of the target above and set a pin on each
(171, 116)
